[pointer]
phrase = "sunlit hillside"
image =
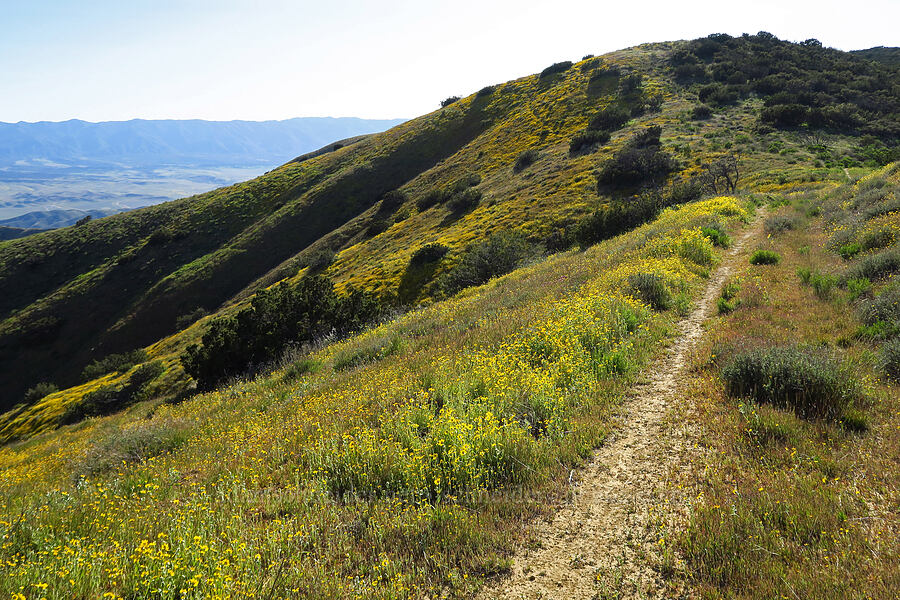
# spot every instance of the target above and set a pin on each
(371, 371)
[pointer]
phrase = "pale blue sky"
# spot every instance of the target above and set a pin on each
(275, 59)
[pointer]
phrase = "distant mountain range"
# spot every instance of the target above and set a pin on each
(139, 142)
(115, 166)
(51, 219)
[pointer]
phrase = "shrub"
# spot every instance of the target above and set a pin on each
(276, 318)
(804, 274)
(321, 260)
(875, 266)
(779, 224)
(525, 159)
(823, 284)
(431, 198)
(429, 253)
(588, 140)
(858, 287)
(108, 399)
(465, 201)
(486, 91)
(701, 112)
(377, 226)
(560, 67)
(113, 362)
(890, 359)
(609, 118)
(392, 200)
(848, 251)
(716, 233)
(186, 320)
(808, 381)
(38, 392)
(765, 257)
(879, 238)
(361, 356)
(640, 161)
(499, 254)
(447, 102)
(883, 307)
(652, 289)
(728, 300)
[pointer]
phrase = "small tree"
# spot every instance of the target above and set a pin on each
(722, 175)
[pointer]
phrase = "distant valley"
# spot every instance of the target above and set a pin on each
(103, 168)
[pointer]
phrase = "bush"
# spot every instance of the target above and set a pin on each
(640, 161)
(728, 300)
(276, 318)
(890, 359)
(765, 257)
(875, 266)
(588, 140)
(39, 392)
(132, 444)
(499, 254)
(716, 233)
(321, 260)
(858, 287)
(447, 102)
(609, 118)
(806, 380)
(701, 112)
(883, 307)
(108, 399)
(848, 251)
(560, 67)
(392, 200)
(823, 284)
(186, 320)
(779, 224)
(429, 253)
(465, 201)
(377, 226)
(525, 159)
(118, 363)
(652, 289)
(486, 91)
(879, 238)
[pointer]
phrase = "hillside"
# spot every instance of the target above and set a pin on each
(127, 281)
(404, 349)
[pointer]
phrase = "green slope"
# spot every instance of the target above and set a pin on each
(122, 282)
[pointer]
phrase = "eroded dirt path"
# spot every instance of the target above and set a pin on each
(605, 543)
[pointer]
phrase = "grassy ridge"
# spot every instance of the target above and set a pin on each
(397, 462)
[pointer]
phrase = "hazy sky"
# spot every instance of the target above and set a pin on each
(223, 59)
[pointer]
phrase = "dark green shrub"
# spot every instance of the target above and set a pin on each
(277, 318)
(428, 253)
(362, 356)
(765, 257)
(639, 162)
(118, 363)
(728, 300)
(431, 198)
(805, 275)
(588, 140)
(716, 234)
(777, 224)
(465, 201)
(823, 284)
(108, 399)
(300, 368)
(560, 67)
(652, 289)
(392, 200)
(875, 266)
(321, 260)
(377, 226)
(447, 102)
(499, 254)
(525, 159)
(809, 381)
(486, 91)
(186, 320)
(701, 112)
(890, 359)
(717, 94)
(38, 392)
(848, 251)
(610, 118)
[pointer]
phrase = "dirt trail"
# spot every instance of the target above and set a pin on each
(605, 542)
